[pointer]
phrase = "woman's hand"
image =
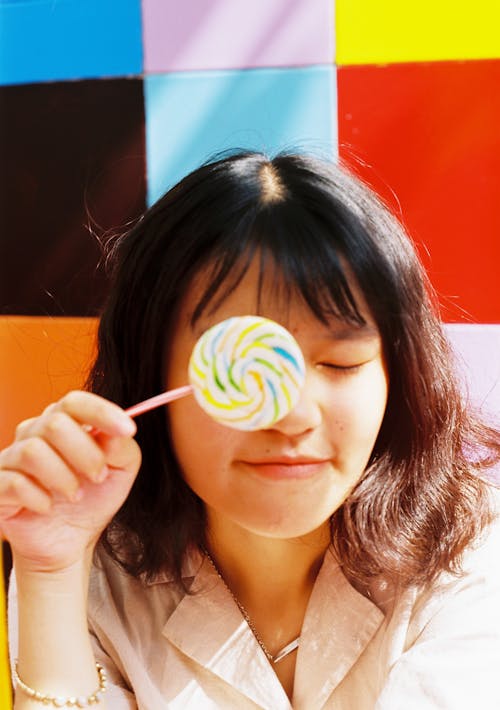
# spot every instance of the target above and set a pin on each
(61, 483)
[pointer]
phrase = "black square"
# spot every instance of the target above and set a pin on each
(73, 174)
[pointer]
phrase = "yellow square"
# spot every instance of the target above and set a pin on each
(391, 31)
(5, 703)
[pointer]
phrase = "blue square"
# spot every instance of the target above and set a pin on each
(192, 115)
(46, 40)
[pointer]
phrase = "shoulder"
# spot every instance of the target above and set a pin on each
(113, 593)
(481, 560)
(468, 598)
(443, 640)
(471, 597)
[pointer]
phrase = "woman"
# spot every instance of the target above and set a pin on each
(342, 558)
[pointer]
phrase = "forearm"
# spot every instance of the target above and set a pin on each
(55, 653)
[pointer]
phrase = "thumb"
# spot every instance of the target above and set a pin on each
(120, 452)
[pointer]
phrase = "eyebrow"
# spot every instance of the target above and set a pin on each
(344, 331)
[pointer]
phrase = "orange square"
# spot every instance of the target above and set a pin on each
(40, 359)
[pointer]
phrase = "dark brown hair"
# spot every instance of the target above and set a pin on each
(422, 499)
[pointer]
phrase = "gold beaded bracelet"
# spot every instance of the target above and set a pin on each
(59, 702)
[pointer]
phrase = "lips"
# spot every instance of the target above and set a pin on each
(287, 467)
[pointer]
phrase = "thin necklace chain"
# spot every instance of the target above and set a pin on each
(284, 651)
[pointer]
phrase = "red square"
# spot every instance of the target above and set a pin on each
(427, 136)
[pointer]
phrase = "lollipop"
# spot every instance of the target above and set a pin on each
(245, 372)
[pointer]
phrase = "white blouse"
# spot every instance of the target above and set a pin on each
(420, 649)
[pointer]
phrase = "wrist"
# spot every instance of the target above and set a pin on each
(35, 571)
(52, 608)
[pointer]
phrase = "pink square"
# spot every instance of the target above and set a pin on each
(227, 34)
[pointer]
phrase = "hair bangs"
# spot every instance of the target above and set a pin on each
(294, 260)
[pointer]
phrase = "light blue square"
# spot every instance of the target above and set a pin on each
(192, 115)
(47, 40)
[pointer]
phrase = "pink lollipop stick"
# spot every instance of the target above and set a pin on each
(150, 403)
(158, 400)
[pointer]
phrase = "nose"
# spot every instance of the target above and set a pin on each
(305, 416)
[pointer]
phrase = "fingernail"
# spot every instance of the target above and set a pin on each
(127, 426)
(77, 495)
(102, 475)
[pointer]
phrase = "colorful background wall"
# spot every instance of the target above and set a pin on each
(105, 103)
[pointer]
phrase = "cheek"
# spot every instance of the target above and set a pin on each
(358, 409)
(198, 441)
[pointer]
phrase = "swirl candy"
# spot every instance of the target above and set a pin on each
(247, 372)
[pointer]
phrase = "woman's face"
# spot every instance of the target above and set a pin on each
(285, 481)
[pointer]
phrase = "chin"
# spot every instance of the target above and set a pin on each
(285, 529)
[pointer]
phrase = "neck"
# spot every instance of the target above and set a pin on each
(265, 572)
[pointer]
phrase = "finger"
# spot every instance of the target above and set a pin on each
(90, 409)
(18, 491)
(35, 458)
(75, 446)
(24, 429)
(120, 452)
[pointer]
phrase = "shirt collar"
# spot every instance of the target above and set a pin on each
(338, 625)
(191, 565)
(207, 626)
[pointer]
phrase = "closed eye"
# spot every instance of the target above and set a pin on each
(346, 369)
